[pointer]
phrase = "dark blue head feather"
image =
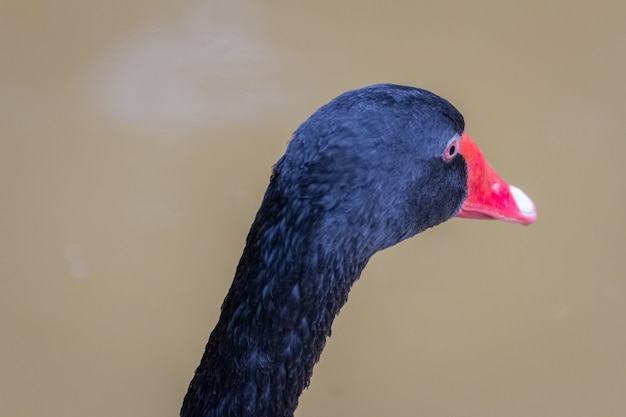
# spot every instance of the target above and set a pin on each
(364, 172)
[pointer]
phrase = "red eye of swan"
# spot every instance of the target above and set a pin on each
(451, 150)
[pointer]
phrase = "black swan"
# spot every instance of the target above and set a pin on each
(367, 170)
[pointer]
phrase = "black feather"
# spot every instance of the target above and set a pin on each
(361, 174)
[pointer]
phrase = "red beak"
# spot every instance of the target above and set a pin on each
(488, 196)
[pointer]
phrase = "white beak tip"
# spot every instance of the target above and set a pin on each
(524, 203)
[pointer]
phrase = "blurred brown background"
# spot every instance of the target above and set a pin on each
(136, 140)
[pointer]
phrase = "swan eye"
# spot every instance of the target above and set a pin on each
(451, 150)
